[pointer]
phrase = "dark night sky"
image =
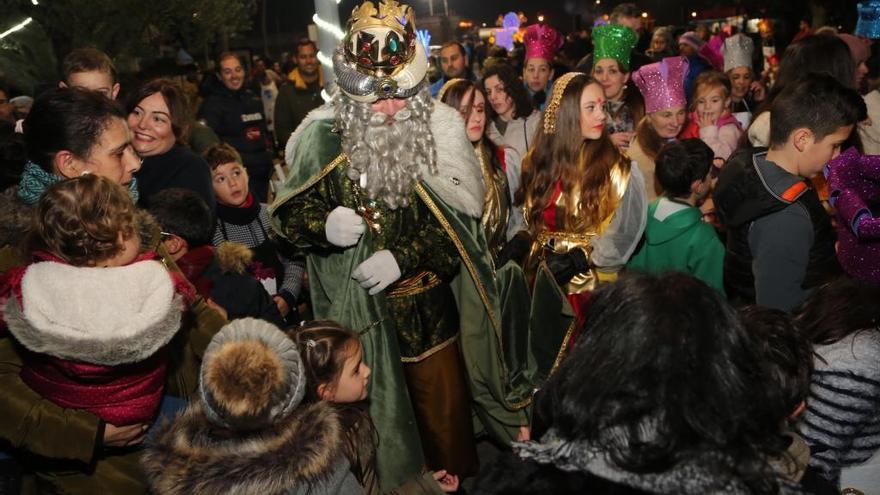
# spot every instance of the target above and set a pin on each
(292, 16)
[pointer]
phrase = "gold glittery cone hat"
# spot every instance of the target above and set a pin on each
(380, 56)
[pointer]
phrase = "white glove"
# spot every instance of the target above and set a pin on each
(377, 272)
(344, 227)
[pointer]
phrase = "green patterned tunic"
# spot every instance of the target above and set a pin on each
(425, 320)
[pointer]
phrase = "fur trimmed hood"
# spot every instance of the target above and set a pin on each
(460, 178)
(233, 257)
(192, 456)
(105, 316)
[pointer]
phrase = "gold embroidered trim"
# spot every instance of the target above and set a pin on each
(545, 235)
(555, 99)
(279, 202)
(417, 284)
(564, 347)
(420, 190)
(496, 326)
(430, 352)
(448, 84)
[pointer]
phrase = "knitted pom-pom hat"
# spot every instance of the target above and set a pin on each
(252, 376)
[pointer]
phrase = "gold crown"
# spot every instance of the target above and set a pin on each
(390, 14)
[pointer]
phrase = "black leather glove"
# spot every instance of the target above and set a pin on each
(564, 266)
(516, 249)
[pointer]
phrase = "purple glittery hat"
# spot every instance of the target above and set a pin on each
(854, 182)
(662, 83)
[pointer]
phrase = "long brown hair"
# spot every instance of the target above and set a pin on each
(566, 156)
(456, 93)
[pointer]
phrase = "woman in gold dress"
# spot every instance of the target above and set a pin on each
(584, 203)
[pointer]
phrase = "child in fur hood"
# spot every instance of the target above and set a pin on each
(91, 311)
(248, 433)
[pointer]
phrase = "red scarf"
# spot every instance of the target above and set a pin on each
(193, 265)
(119, 395)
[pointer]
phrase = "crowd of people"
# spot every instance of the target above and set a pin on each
(631, 272)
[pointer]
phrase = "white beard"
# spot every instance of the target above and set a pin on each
(458, 179)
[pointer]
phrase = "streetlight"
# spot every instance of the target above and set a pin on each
(694, 14)
(644, 15)
(598, 2)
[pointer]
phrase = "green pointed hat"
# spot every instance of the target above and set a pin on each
(614, 41)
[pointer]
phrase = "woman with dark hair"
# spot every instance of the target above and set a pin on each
(662, 400)
(584, 204)
(512, 120)
(842, 420)
(160, 123)
(470, 101)
(823, 53)
(69, 132)
(612, 50)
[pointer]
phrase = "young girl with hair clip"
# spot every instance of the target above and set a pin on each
(333, 361)
(92, 313)
(584, 203)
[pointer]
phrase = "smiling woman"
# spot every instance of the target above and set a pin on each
(159, 122)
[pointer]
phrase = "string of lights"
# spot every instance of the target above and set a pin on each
(17, 27)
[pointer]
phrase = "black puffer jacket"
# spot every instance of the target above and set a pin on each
(741, 197)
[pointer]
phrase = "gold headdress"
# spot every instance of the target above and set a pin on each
(448, 84)
(555, 99)
(389, 14)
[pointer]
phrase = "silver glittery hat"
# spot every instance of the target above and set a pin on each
(738, 51)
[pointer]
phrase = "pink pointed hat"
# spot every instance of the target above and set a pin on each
(542, 41)
(662, 83)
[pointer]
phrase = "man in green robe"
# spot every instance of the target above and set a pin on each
(385, 195)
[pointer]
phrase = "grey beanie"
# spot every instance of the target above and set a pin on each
(252, 376)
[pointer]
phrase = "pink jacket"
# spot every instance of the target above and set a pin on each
(723, 137)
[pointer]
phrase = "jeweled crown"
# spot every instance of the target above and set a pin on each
(381, 37)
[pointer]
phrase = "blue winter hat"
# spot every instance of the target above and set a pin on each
(869, 20)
